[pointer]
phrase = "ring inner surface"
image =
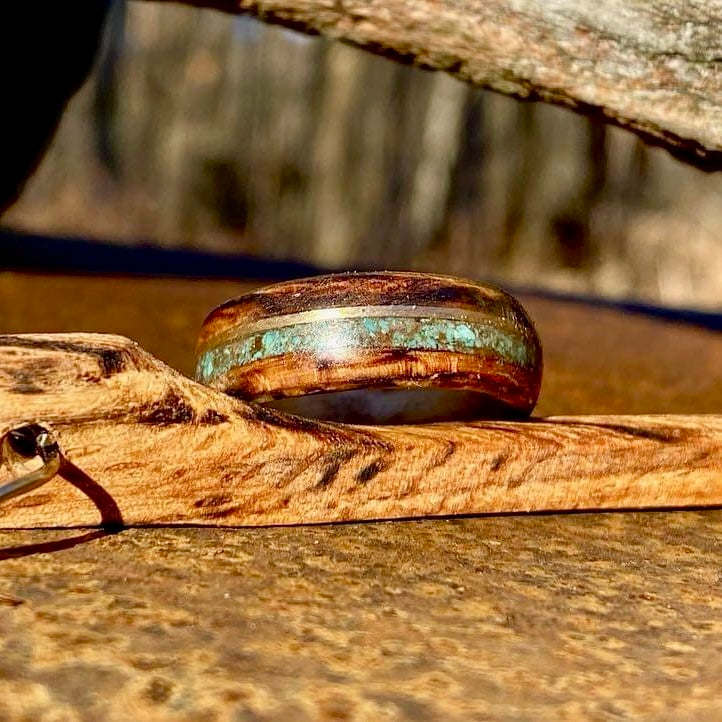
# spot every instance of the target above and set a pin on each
(395, 406)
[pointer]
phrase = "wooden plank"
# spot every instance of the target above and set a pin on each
(151, 446)
(588, 616)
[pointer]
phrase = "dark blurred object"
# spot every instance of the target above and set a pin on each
(46, 52)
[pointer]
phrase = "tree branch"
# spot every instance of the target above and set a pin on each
(145, 445)
(652, 66)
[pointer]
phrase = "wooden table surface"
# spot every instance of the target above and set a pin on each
(577, 616)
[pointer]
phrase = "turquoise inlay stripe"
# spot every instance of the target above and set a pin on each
(356, 333)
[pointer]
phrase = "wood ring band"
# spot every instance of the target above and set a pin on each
(372, 330)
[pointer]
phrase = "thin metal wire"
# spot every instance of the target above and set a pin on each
(27, 442)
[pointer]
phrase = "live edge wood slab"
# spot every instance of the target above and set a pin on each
(146, 445)
(546, 617)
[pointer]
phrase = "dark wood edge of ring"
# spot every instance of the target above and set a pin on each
(292, 375)
(380, 288)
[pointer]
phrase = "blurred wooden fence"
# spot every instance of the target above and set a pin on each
(204, 130)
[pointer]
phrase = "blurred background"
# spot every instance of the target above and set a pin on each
(203, 131)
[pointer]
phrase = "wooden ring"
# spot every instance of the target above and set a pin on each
(376, 330)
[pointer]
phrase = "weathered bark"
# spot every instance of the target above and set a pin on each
(145, 445)
(652, 67)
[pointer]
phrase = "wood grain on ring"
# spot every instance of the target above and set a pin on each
(378, 330)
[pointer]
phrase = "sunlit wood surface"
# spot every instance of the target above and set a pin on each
(541, 617)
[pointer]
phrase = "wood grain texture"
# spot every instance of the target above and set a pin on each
(378, 288)
(594, 617)
(544, 617)
(150, 446)
(652, 67)
(374, 330)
